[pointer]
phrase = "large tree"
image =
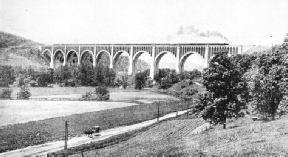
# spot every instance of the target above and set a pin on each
(270, 83)
(225, 88)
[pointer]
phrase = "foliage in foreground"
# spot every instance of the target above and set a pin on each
(140, 80)
(167, 77)
(102, 93)
(270, 83)
(5, 93)
(24, 93)
(225, 90)
(6, 75)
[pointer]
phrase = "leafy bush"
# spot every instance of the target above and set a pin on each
(87, 96)
(102, 93)
(6, 76)
(166, 78)
(270, 84)
(23, 93)
(187, 93)
(6, 93)
(33, 83)
(44, 79)
(140, 80)
(191, 75)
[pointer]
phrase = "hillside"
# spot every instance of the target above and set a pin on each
(243, 137)
(18, 51)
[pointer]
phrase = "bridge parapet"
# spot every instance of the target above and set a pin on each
(87, 48)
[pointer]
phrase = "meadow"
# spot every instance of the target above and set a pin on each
(38, 132)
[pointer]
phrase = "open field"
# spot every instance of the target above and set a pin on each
(116, 94)
(243, 137)
(38, 132)
(21, 111)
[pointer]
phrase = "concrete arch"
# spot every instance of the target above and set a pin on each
(46, 50)
(185, 57)
(55, 55)
(70, 52)
(138, 54)
(159, 56)
(100, 53)
(118, 54)
(135, 59)
(89, 52)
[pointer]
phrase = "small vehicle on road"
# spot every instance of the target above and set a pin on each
(95, 131)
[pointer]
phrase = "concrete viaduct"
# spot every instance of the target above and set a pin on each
(155, 51)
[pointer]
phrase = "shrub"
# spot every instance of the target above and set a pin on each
(6, 93)
(140, 80)
(87, 96)
(6, 76)
(23, 93)
(187, 93)
(44, 79)
(125, 84)
(33, 83)
(102, 93)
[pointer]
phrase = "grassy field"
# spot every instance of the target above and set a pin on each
(22, 111)
(38, 132)
(116, 94)
(243, 137)
(162, 139)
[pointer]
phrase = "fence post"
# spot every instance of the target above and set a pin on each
(187, 110)
(158, 112)
(82, 154)
(66, 138)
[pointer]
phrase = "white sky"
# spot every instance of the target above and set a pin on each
(260, 22)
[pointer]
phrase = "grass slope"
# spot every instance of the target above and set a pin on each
(162, 139)
(243, 137)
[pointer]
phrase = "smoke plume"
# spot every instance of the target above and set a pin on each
(191, 34)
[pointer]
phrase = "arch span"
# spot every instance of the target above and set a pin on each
(99, 55)
(87, 57)
(118, 54)
(59, 55)
(44, 53)
(197, 60)
(72, 57)
(159, 56)
(138, 54)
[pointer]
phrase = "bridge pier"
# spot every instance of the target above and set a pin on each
(177, 64)
(130, 67)
(152, 64)
(206, 57)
